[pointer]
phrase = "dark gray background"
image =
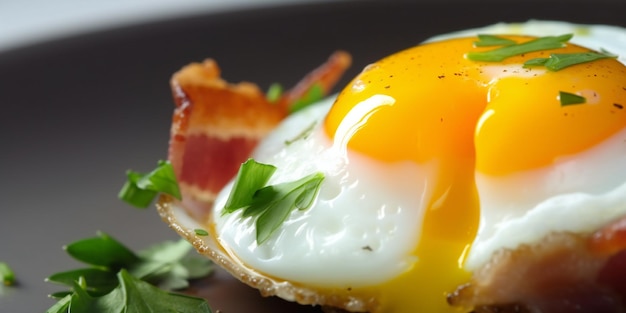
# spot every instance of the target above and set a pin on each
(78, 112)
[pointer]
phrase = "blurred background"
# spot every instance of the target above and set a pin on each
(28, 21)
(84, 94)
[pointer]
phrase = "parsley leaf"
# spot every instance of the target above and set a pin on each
(200, 232)
(102, 250)
(166, 265)
(274, 92)
(6, 274)
(251, 177)
(81, 301)
(141, 189)
(62, 306)
(269, 204)
(143, 297)
(101, 281)
(559, 61)
(285, 198)
(567, 98)
(538, 44)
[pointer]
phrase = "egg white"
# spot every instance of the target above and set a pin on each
(359, 231)
(362, 228)
(578, 193)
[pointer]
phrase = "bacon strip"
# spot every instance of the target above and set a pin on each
(216, 125)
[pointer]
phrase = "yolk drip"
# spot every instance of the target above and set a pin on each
(467, 116)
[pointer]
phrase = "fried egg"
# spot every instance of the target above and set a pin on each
(433, 162)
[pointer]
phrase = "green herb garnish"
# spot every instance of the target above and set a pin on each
(141, 189)
(316, 93)
(130, 295)
(499, 54)
(567, 98)
(201, 232)
(118, 279)
(269, 204)
(274, 92)
(559, 61)
(251, 177)
(6, 274)
(491, 40)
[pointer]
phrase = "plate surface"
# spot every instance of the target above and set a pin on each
(78, 112)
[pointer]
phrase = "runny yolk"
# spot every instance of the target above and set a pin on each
(430, 104)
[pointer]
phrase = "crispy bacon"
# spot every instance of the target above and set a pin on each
(563, 273)
(216, 125)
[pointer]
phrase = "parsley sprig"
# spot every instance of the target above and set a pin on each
(132, 295)
(141, 189)
(118, 280)
(269, 204)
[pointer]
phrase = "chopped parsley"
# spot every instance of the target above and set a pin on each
(6, 274)
(555, 62)
(491, 40)
(141, 189)
(270, 205)
(567, 98)
(538, 44)
(201, 232)
(274, 92)
(559, 61)
(313, 95)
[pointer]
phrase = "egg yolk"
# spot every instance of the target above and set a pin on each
(431, 104)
